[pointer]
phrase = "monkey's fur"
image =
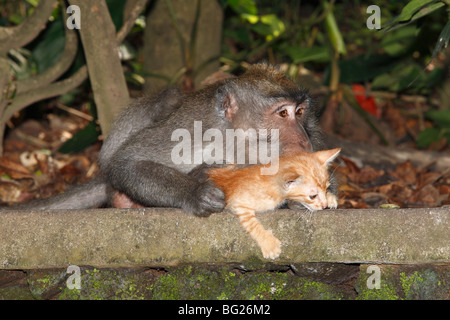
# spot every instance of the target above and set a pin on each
(135, 160)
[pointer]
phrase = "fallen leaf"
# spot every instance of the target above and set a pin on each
(428, 195)
(369, 174)
(405, 171)
(13, 169)
(428, 178)
(444, 189)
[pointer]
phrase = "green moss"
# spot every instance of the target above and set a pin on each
(408, 282)
(166, 288)
(15, 293)
(105, 284)
(386, 292)
(388, 288)
(424, 285)
(223, 284)
(40, 282)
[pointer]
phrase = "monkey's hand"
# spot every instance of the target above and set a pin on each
(205, 200)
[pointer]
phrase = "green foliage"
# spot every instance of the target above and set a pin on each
(268, 26)
(82, 139)
(49, 45)
(412, 11)
(333, 30)
(441, 118)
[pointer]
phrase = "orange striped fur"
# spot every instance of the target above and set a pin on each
(302, 177)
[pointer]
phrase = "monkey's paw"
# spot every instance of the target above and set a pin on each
(207, 199)
(270, 246)
(332, 200)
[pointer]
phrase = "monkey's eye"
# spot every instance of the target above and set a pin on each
(313, 196)
(283, 113)
(298, 111)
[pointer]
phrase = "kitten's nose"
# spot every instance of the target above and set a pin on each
(324, 206)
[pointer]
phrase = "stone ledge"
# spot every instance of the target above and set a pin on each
(168, 237)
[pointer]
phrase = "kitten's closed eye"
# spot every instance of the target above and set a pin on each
(313, 196)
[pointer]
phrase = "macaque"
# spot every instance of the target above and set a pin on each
(137, 166)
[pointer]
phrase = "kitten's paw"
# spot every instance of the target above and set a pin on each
(332, 200)
(270, 246)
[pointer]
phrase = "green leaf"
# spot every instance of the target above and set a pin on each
(50, 47)
(414, 10)
(399, 78)
(443, 40)
(251, 18)
(305, 54)
(440, 117)
(398, 42)
(116, 8)
(269, 26)
(276, 25)
(34, 3)
(82, 139)
(362, 68)
(333, 31)
(427, 137)
(243, 6)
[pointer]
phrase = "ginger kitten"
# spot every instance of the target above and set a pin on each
(301, 177)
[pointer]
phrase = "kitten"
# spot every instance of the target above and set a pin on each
(301, 177)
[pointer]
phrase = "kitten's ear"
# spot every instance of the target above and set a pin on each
(327, 156)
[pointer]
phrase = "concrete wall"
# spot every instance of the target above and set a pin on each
(166, 254)
(168, 237)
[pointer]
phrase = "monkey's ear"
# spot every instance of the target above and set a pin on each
(230, 106)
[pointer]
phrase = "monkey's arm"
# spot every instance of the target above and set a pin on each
(155, 185)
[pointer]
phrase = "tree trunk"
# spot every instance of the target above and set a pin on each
(163, 50)
(98, 36)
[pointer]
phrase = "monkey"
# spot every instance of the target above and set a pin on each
(135, 160)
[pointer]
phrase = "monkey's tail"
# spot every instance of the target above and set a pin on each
(83, 196)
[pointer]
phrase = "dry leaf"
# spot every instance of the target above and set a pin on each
(405, 171)
(428, 195)
(13, 169)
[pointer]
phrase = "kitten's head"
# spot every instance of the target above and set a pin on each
(306, 179)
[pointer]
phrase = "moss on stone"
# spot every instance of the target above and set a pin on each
(106, 284)
(424, 285)
(224, 284)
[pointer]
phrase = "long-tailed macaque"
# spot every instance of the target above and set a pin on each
(137, 166)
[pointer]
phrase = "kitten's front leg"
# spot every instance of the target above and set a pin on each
(269, 244)
(332, 200)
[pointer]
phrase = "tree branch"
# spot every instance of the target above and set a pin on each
(55, 71)
(24, 99)
(18, 36)
(130, 19)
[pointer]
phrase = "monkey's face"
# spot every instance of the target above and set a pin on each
(288, 117)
